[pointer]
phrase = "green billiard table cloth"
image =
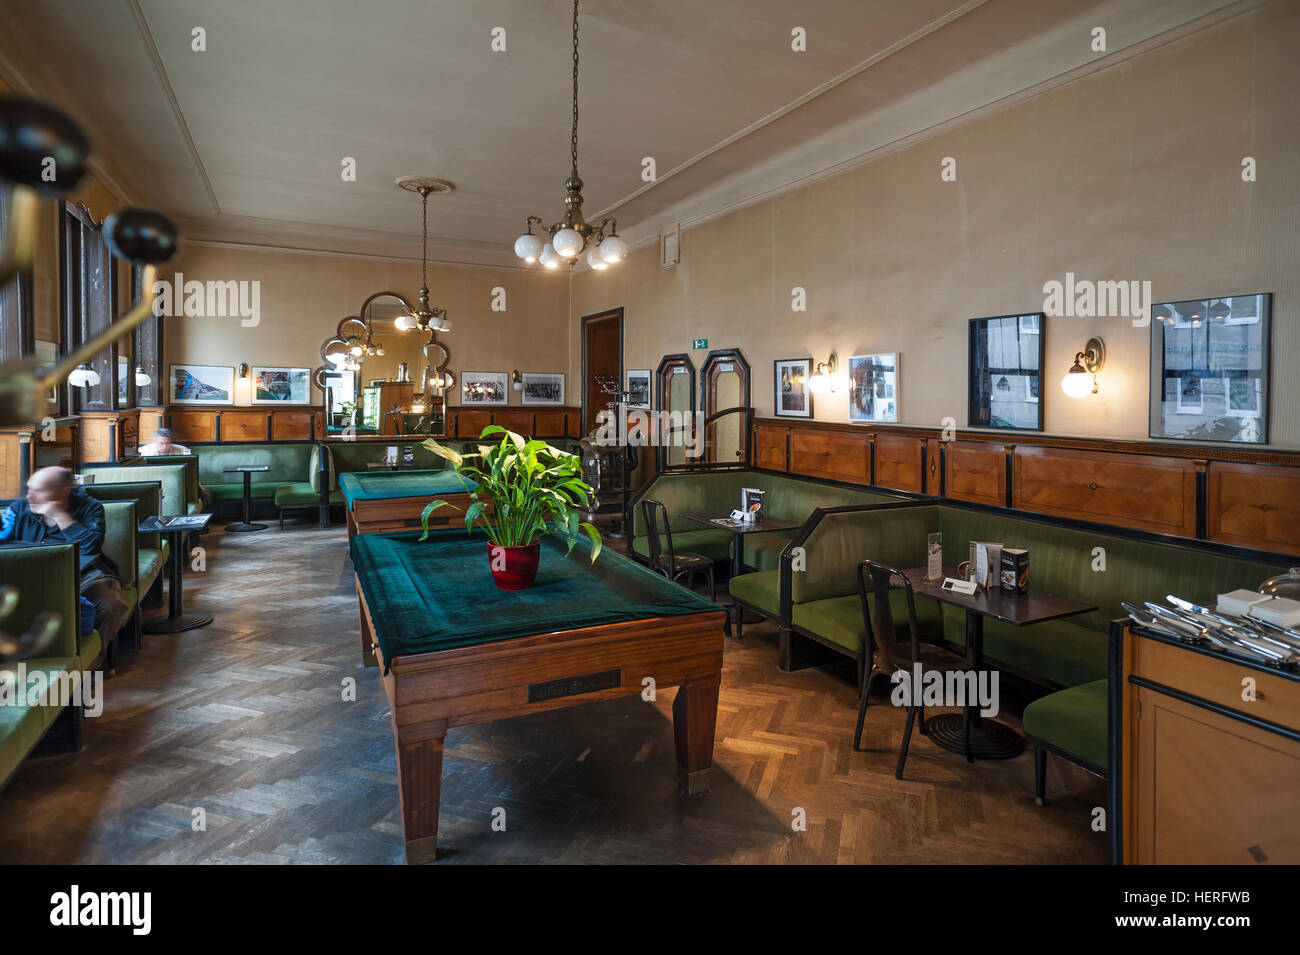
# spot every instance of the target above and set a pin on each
(438, 594)
(383, 485)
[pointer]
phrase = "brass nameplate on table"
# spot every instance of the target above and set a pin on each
(574, 685)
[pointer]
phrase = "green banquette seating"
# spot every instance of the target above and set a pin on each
(719, 493)
(45, 576)
(149, 548)
(287, 463)
(821, 604)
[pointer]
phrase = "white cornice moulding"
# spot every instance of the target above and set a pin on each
(414, 260)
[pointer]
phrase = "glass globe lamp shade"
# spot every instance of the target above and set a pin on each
(550, 258)
(141, 379)
(83, 376)
(568, 242)
(528, 247)
(404, 323)
(819, 383)
(613, 249)
(1077, 383)
(595, 261)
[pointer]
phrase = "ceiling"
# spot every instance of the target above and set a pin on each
(244, 142)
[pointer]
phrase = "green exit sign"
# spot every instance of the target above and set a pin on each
(701, 343)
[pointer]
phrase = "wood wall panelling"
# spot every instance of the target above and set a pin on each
(245, 425)
(193, 424)
(520, 422)
(1254, 506)
(898, 461)
(976, 471)
(1131, 490)
(832, 455)
(771, 447)
(293, 425)
(550, 424)
(470, 424)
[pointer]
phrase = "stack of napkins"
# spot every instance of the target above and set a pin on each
(1239, 602)
(1278, 610)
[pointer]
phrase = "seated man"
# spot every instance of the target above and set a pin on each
(162, 443)
(57, 511)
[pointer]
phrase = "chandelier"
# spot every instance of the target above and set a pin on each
(424, 317)
(572, 235)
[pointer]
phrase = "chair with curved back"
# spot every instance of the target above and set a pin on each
(881, 645)
(672, 564)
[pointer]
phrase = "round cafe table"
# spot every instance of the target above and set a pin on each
(248, 470)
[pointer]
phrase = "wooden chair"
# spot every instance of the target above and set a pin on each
(881, 644)
(672, 564)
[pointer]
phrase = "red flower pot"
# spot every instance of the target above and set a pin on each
(514, 568)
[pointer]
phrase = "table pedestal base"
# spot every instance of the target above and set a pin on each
(177, 624)
(988, 739)
(245, 526)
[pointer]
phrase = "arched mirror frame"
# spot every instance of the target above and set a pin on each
(709, 373)
(664, 376)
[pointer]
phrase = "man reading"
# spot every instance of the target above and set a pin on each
(57, 511)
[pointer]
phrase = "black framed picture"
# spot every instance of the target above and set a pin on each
(1006, 372)
(793, 397)
(1210, 369)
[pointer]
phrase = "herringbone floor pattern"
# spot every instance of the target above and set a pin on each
(245, 721)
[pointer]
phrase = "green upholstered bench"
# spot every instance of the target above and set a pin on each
(150, 548)
(45, 576)
(718, 492)
(189, 461)
(288, 463)
(1073, 723)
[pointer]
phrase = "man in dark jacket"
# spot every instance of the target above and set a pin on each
(56, 510)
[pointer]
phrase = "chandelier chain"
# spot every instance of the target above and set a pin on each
(573, 140)
(424, 242)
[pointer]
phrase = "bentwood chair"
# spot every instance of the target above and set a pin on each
(672, 564)
(881, 648)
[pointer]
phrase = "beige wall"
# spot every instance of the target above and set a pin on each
(303, 297)
(1131, 173)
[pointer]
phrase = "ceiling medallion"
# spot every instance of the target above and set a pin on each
(572, 235)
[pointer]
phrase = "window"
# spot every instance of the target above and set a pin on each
(88, 289)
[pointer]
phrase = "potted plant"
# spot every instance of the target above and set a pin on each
(534, 490)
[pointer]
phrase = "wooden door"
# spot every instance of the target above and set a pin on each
(602, 362)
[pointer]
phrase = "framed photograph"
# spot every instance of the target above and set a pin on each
(793, 397)
(543, 389)
(1210, 369)
(638, 388)
(275, 386)
(201, 384)
(484, 387)
(873, 387)
(1006, 372)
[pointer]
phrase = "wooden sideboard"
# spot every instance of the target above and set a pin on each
(1231, 494)
(23, 451)
(1209, 757)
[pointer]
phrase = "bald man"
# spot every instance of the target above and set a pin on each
(57, 510)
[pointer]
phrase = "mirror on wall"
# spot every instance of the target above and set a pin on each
(724, 386)
(381, 378)
(675, 396)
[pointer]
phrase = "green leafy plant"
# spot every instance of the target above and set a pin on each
(534, 489)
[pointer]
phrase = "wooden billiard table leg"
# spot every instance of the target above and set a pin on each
(419, 776)
(695, 719)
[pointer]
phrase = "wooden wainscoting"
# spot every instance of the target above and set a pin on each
(253, 424)
(975, 471)
(835, 455)
(193, 425)
(245, 425)
(463, 422)
(1253, 505)
(1131, 490)
(1231, 495)
(900, 462)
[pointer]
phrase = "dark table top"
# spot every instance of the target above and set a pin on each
(247, 467)
(757, 527)
(179, 522)
(393, 467)
(1018, 609)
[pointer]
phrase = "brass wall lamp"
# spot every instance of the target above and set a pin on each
(1077, 383)
(823, 377)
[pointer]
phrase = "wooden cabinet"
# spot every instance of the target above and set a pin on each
(108, 435)
(1211, 758)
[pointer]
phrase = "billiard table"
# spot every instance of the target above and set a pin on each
(394, 500)
(454, 650)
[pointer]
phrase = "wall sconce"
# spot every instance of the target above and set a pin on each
(243, 369)
(517, 379)
(142, 380)
(1076, 382)
(823, 379)
(83, 376)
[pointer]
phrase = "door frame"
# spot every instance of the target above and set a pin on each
(608, 314)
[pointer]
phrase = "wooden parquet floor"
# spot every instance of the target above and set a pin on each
(245, 721)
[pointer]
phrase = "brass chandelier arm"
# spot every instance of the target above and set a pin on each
(20, 239)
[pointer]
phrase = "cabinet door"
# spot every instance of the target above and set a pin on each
(1212, 789)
